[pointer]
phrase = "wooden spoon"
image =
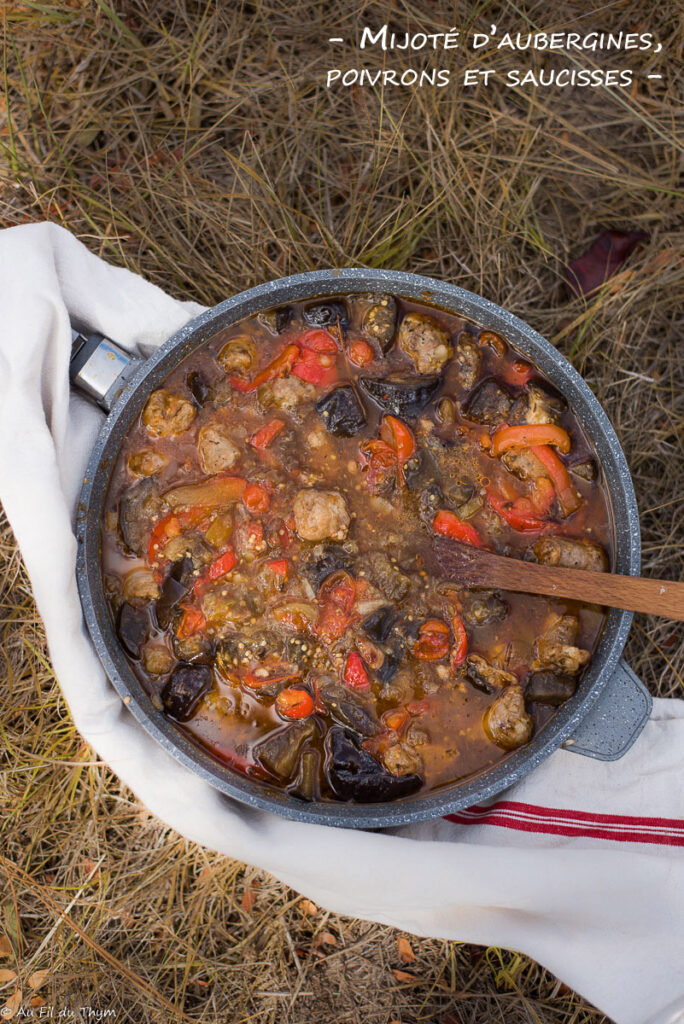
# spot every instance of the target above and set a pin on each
(485, 569)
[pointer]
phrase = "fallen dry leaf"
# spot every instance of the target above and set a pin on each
(324, 939)
(308, 908)
(6, 975)
(406, 954)
(250, 896)
(405, 977)
(12, 1005)
(605, 256)
(5, 946)
(38, 978)
(37, 1001)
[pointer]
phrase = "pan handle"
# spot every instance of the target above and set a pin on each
(99, 368)
(617, 718)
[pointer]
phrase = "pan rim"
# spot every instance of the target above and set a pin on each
(487, 314)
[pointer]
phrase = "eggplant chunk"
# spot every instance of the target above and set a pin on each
(467, 357)
(275, 320)
(489, 403)
(342, 412)
(133, 628)
(480, 607)
(506, 721)
(486, 677)
(195, 650)
(167, 413)
(328, 559)
(326, 314)
(184, 690)
(138, 508)
(571, 554)
(401, 394)
(425, 343)
(550, 688)
(172, 592)
(306, 785)
(379, 319)
(320, 514)
(379, 624)
(586, 470)
(346, 711)
(388, 577)
(200, 390)
(279, 752)
(354, 774)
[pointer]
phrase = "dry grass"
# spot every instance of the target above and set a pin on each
(194, 142)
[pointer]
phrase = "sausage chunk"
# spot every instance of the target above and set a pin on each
(467, 357)
(238, 355)
(216, 450)
(285, 393)
(167, 413)
(321, 514)
(146, 462)
(401, 759)
(424, 341)
(506, 721)
(489, 403)
(571, 554)
(557, 650)
(536, 406)
(523, 464)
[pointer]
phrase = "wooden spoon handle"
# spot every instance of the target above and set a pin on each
(636, 594)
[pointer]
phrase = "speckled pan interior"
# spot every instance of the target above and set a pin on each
(334, 282)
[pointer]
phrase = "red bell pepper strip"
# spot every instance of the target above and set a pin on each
(275, 672)
(316, 368)
(560, 478)
(172, 525)
(218, 568)
(518, 373)
(280, 366)
(460, 648)
(400, 439)
(396, 719)
(355, 675)
(192, 622)
(317, 341)
(515, 515)
(447, 524)
(279, 568)
(528, 435)
(361, 353)
(256, 498)
(294, 703)
(336, 597)
(221, 565)
(266, 434)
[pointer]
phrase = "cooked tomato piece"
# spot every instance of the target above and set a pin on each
(294, 703)
(447, 524)
(256, 498)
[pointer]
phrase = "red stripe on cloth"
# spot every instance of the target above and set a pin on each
(557, 821)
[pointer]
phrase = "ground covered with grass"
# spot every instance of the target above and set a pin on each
(196, 143)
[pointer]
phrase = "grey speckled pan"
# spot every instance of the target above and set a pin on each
(610, 707)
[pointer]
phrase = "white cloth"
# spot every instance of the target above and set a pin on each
(604, 914)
